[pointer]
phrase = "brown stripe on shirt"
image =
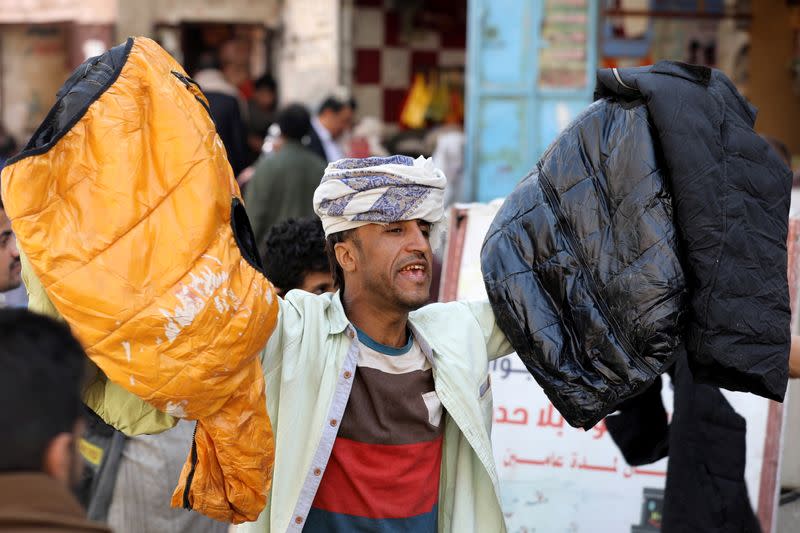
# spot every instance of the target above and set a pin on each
(389, 408)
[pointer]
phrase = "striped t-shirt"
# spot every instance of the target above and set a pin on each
(383, 473)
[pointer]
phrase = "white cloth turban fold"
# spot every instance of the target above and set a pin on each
(382, 190)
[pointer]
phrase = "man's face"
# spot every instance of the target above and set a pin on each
(10, 268)
(345, 120)
(236, 73)
(264, 98)
(317, 282)
(337, 123)
(394, 263)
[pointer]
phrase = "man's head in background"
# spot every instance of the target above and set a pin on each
(336, 115)
(295, 257)
(10, 268)
(8, 146)
(234, 61)
(294, 121)
(40, 396)
(265, 94)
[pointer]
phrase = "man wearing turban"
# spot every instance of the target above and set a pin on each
(381, 405)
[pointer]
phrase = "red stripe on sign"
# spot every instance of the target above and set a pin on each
(380, 480)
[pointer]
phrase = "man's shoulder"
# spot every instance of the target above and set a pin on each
(312, 160)
(219, 101)
(324, 310)
(304, 298)
(295, 154)
(442, 312)
(304, 153)
(265, 163)
(458, 314)
(276, 164)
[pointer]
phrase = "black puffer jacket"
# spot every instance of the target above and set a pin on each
(593, 333)
(731, 195)
(706, 444)
(581, 265)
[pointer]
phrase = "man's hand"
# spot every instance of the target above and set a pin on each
(794, 358)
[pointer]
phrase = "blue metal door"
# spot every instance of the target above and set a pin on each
(530, 70)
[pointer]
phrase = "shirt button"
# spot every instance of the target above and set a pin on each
(333, 422)
(317, 471)
(347, 374)
(298, 520)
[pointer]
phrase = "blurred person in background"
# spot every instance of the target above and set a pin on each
(449, 155)
(226, 108)
(234, 58)
(283, 184)
(12, 291)
(10, 267)
(334, 119)
(8, 146)
(40, 406)
(295, 257)
(262, 111)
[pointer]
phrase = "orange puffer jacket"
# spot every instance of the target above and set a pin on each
(127, 209)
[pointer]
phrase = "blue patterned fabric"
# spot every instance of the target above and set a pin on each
(355, 192)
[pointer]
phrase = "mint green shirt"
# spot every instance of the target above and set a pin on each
(309, 364)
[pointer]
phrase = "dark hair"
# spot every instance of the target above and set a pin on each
(294, 121)
(266, 82)
(208, 61)
(8, 146)
(293, 249)
(40, 386)
(330, 248)
(332, 103)
(337, 104)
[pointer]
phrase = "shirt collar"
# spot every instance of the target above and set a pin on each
(321, 130)
(336, 318)
(339, 323)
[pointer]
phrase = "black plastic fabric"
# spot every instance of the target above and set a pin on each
(581, 265)
(706, 445)
(731, 194)
(85, 85)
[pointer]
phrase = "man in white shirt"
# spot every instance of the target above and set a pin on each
(381, 406)
(333, 120)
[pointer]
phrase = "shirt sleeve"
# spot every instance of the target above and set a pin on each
(301, 319)
(497, 344)
(289, 318)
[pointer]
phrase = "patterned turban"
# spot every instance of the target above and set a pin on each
(382, 190)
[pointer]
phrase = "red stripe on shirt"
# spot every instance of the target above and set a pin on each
(380, 480)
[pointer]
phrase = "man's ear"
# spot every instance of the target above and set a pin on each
(346, 255)
(59, 458)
